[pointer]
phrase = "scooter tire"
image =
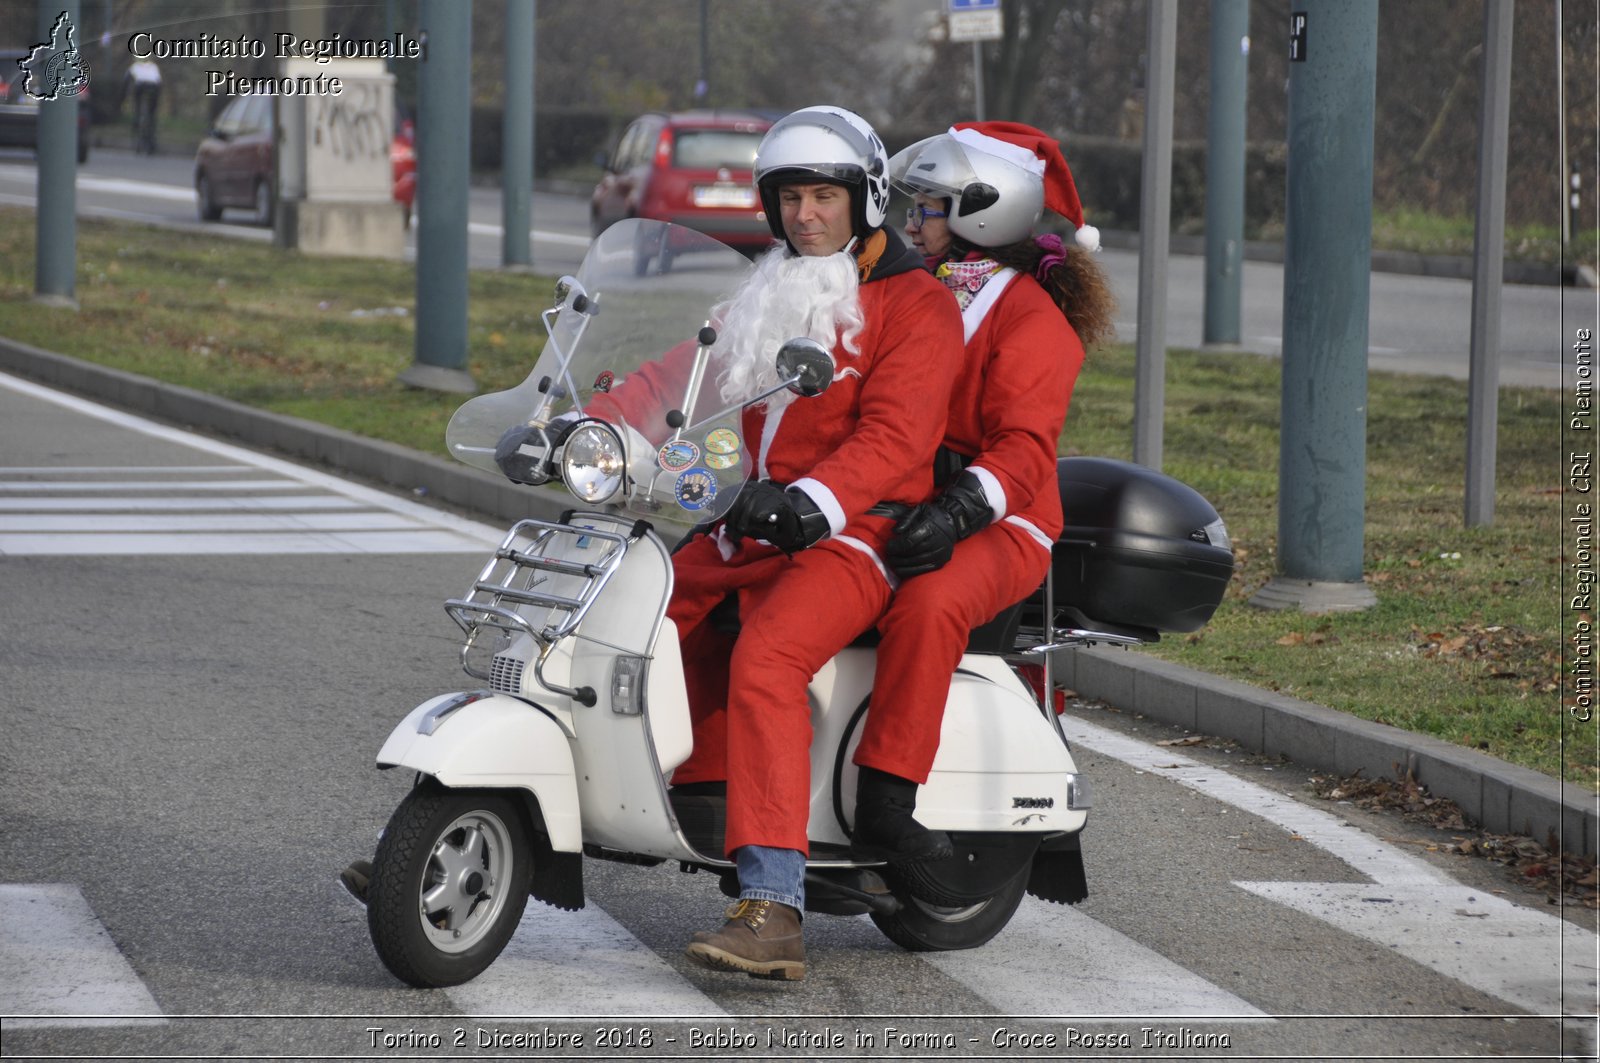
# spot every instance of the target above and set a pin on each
(449, 884)
(922, 926)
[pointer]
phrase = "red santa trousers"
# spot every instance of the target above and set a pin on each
(925, 633)
(795, 614)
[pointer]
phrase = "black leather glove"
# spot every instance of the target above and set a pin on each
(925, 539)
(522, 467)
(787, 519)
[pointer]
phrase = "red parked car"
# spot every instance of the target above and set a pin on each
(691, 168)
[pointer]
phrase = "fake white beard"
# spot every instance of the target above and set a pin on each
(787, 296)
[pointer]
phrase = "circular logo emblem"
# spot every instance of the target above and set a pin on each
(723, 461)
(678, 454)
(722, 441)
(695, 489)
(604, 381)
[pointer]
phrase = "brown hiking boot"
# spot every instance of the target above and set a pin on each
(760, 939)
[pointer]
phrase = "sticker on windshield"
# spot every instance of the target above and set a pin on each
(677, 454)
(604, 381)
(723, 461)
(695, 489)
(722, 441)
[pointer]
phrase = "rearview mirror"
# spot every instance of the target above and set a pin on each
(806, 365)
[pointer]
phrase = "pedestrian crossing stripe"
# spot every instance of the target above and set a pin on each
(245, 503)
(61, 967)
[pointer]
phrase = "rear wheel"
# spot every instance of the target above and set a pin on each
(263, 200)
(207, 199)
(449, 884)
(922, 926)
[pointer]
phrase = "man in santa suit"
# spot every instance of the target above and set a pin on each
(802, 548)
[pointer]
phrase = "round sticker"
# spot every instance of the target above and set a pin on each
(677, 454)
(722, 441)
(722, 461)
(604, 381)
(695, 489)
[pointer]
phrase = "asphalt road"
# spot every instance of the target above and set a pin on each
(1416, 323)
(204, 647)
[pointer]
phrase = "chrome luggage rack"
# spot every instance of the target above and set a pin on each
(506, 589)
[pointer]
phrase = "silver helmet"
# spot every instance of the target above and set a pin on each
(825, 144)
(993, 201)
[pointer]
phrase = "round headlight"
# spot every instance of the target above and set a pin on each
(592, 463)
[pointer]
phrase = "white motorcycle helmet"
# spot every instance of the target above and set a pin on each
(993, 201)
(825, 144)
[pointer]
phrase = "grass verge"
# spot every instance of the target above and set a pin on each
(1464, 643)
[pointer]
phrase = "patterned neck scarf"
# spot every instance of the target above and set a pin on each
(966, 278)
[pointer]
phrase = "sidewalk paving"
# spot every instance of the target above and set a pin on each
(1499, 797)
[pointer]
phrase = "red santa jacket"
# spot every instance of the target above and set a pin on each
(1022, 359)
(872, 435)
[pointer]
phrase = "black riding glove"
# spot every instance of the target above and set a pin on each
(787, 519)
(926, 538)
(523, 466)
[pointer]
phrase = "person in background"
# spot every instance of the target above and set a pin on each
(1029, 304)
(144, 85)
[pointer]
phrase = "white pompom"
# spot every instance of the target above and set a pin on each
(1088, 238)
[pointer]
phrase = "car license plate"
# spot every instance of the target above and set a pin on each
(724, 196)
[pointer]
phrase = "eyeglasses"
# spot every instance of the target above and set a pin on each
(918, 214)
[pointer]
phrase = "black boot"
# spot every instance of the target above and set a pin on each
(885, 829)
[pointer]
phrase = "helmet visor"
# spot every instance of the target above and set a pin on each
(936, 166)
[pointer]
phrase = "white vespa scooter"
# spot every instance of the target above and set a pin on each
(568, 748)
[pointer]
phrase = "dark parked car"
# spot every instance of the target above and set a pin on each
(691, 168)
(19, 113)
(235, 166)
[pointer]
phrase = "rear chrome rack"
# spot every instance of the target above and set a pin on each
(534, 585)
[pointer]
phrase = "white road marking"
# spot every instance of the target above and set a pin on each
(61, 967)
(255, 505)
(1025, 967)
(580, 963)
(1509, 952)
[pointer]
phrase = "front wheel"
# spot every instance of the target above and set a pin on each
(449, 883)
(922, 926)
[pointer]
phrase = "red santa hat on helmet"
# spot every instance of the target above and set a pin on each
(1025, 146)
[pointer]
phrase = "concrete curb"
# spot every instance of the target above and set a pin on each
(1500, 797)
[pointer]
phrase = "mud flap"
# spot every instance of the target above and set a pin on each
(1057, 874)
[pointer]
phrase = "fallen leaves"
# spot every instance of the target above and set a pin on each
(1505, 651)
(1558, 874)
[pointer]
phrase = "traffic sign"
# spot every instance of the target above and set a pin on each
(975, 20)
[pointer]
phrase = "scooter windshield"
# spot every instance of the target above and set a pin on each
(628, 347)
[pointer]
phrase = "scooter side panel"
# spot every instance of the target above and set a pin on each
(1001, 766)
(495, 742)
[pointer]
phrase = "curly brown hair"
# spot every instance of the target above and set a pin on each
(1077, 284)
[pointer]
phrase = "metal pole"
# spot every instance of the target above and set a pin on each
(1326, 297)
(1488, 263)
(516, 137)
(1561, 118)
(702, 86)
(444, 144)
(979, 108)
(1155, 227)
(56, 210)
(1225, 152)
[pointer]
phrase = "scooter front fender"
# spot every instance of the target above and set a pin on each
(476, 739)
